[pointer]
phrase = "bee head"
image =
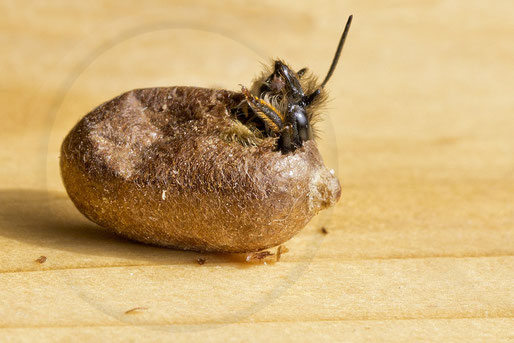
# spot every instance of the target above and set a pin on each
(283, 87)
(285, 99)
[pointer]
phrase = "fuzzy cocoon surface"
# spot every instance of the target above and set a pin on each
(173, 167)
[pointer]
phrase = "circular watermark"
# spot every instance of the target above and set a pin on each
(114, 304)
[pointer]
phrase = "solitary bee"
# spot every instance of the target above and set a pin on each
(204, 169)
(287, 101)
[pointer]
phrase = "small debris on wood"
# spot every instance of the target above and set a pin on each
(201, 260)
(40, 260)
(324, 230)
(136, 310)
(259, 256)
(281, 250)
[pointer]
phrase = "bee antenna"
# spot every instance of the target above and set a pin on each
(308, 99)
(338, 51)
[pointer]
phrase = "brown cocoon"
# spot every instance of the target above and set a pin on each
(163, 166)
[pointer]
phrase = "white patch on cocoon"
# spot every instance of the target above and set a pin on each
(323, 188)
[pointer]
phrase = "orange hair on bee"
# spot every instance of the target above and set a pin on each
(267, 112)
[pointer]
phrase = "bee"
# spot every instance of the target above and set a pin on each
(205, 169)
(287, 102)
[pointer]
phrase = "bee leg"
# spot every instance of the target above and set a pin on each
(301, 72)
(286, 142)
(272, 117)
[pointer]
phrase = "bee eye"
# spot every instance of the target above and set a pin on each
(303, 131)
(302, 124)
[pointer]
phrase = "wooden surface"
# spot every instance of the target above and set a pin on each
(420, 130)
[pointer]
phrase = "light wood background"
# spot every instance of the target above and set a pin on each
(420, 130)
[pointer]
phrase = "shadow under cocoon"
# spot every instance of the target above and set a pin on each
(49, 219)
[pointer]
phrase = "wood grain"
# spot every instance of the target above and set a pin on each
(419, 130)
